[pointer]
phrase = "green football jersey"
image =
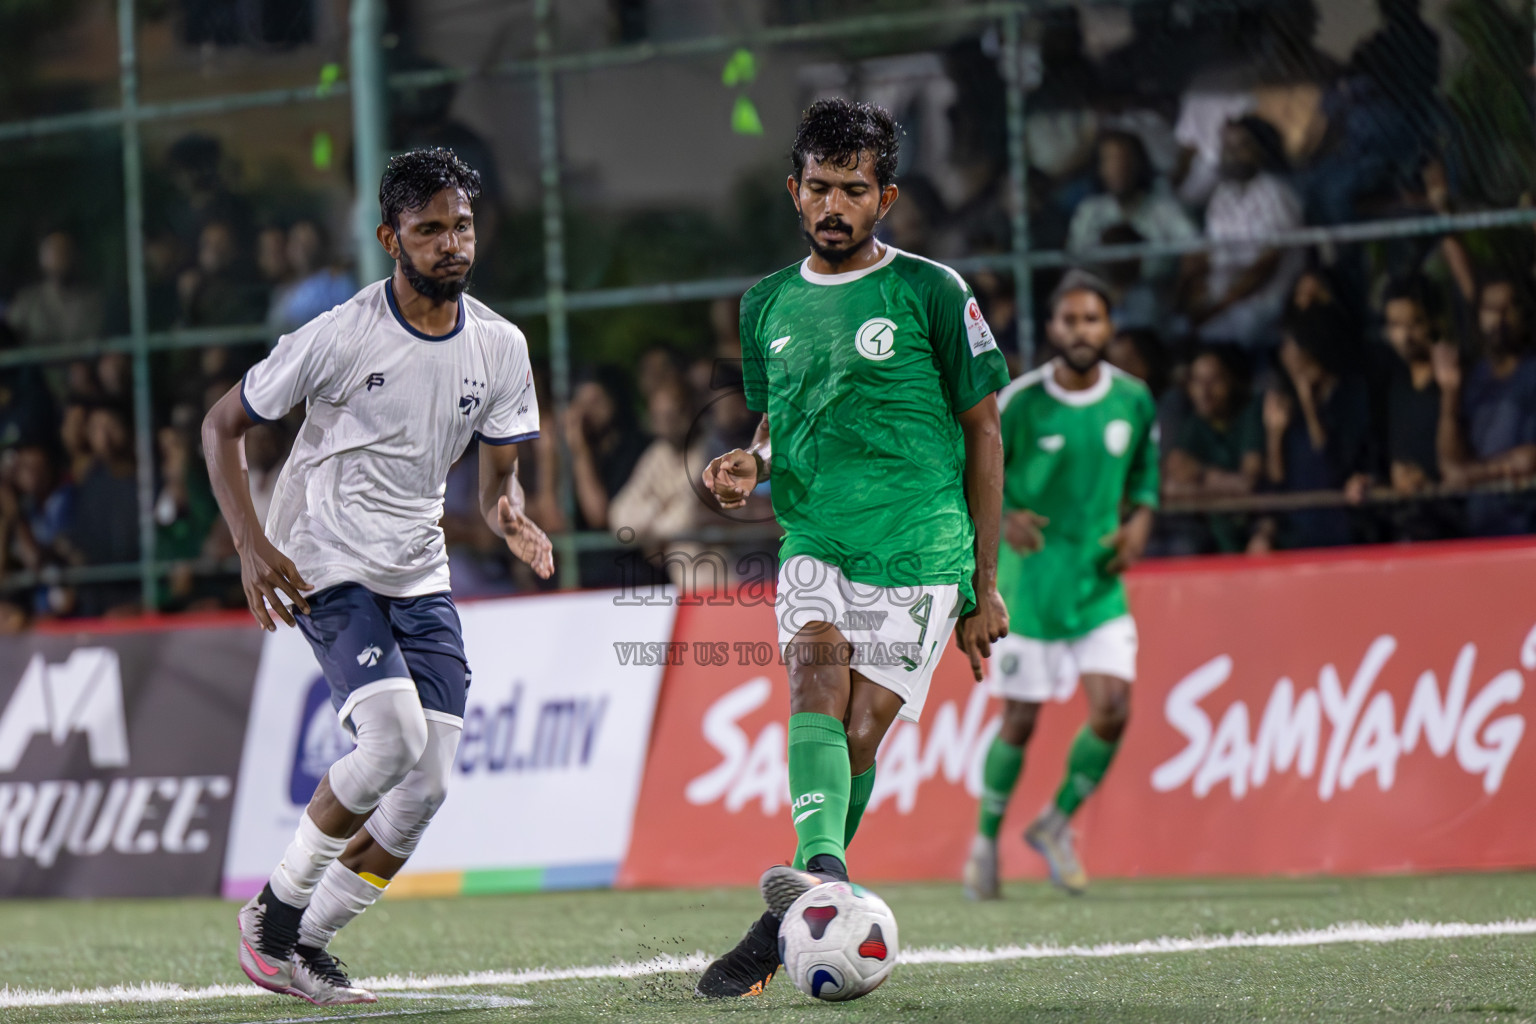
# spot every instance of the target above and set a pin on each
(1074, 457)
(862, 376)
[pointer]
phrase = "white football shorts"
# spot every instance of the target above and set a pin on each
(1038, 670)
(898, 633)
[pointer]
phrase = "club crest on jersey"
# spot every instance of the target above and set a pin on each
(876, 339)
(1117, 437)
(470, 400)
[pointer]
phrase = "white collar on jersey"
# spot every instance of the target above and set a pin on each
(394, 308)
(1088, 395)
(853, 275)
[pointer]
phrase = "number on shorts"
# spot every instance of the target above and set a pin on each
(919, 612)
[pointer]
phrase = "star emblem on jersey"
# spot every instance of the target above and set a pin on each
(876, 339)
(470, 400)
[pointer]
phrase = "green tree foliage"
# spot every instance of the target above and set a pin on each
(1490, 101)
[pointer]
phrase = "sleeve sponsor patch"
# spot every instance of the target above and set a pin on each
(976, 330)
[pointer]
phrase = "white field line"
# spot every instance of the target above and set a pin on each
(1408, 931)
(1354, 932)
(459, 1002)
(535, 975)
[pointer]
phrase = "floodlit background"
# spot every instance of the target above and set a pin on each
(1290, 198)
(181, 185)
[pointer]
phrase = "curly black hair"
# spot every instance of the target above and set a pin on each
(412, 179)
(838, 131)
(1416, 289)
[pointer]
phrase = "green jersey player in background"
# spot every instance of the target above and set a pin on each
(877, 374)
(1080, 485)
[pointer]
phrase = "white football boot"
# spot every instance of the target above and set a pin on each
(980, 877)
(322, 979)
(268, 966)
(1050, 836)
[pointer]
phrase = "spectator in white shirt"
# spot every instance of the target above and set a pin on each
(658, 500)
(1237, 291)
(1133, 195)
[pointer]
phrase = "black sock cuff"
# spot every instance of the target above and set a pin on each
(826, 864)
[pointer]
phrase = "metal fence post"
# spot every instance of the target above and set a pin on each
(1018, 188)
(554, 279)
(369, 106)
(138, 308)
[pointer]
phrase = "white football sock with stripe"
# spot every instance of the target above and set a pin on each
(340, 897)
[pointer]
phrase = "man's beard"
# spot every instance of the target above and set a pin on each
(1496, 343)
(434, 289)
(836, 257)
(1093, 360)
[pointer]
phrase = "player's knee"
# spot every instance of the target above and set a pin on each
(822, 690)
(405, 812)
(1018, 722)
(430, 793)
(864, 736)
(403, 815)
(399, 747)
(1109, 715)
(391, 739)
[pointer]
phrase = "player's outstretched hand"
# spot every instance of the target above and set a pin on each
(976, 632)
(264, 571)
(526, 540)
(1021, 530)
(1129, 542)
(731, 477)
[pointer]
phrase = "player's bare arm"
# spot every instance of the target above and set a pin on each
(1022, 530)
(502, 504)
(984, 495)
(264, 570)
(732, 476)
(1130, 541)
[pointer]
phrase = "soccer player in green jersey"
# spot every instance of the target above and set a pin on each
(877, 373)
(1079, 489)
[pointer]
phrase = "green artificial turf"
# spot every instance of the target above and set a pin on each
(63, 945)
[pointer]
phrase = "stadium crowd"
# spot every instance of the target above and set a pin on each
(1403, 367)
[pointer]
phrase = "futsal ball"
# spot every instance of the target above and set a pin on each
(838, 941)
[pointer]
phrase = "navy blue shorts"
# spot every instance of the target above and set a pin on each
(362, 638)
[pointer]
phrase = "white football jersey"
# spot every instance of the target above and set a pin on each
(389, 410)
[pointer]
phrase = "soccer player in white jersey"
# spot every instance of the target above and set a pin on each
(395, 383)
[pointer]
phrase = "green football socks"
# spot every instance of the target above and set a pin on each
(820, 784)
(1087, 762)
(999, 774)
(861, 787)
(858, 799)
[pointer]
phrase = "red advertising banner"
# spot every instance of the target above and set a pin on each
(1361, 711)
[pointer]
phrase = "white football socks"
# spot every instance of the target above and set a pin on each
(340, 897)
(305, 860)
